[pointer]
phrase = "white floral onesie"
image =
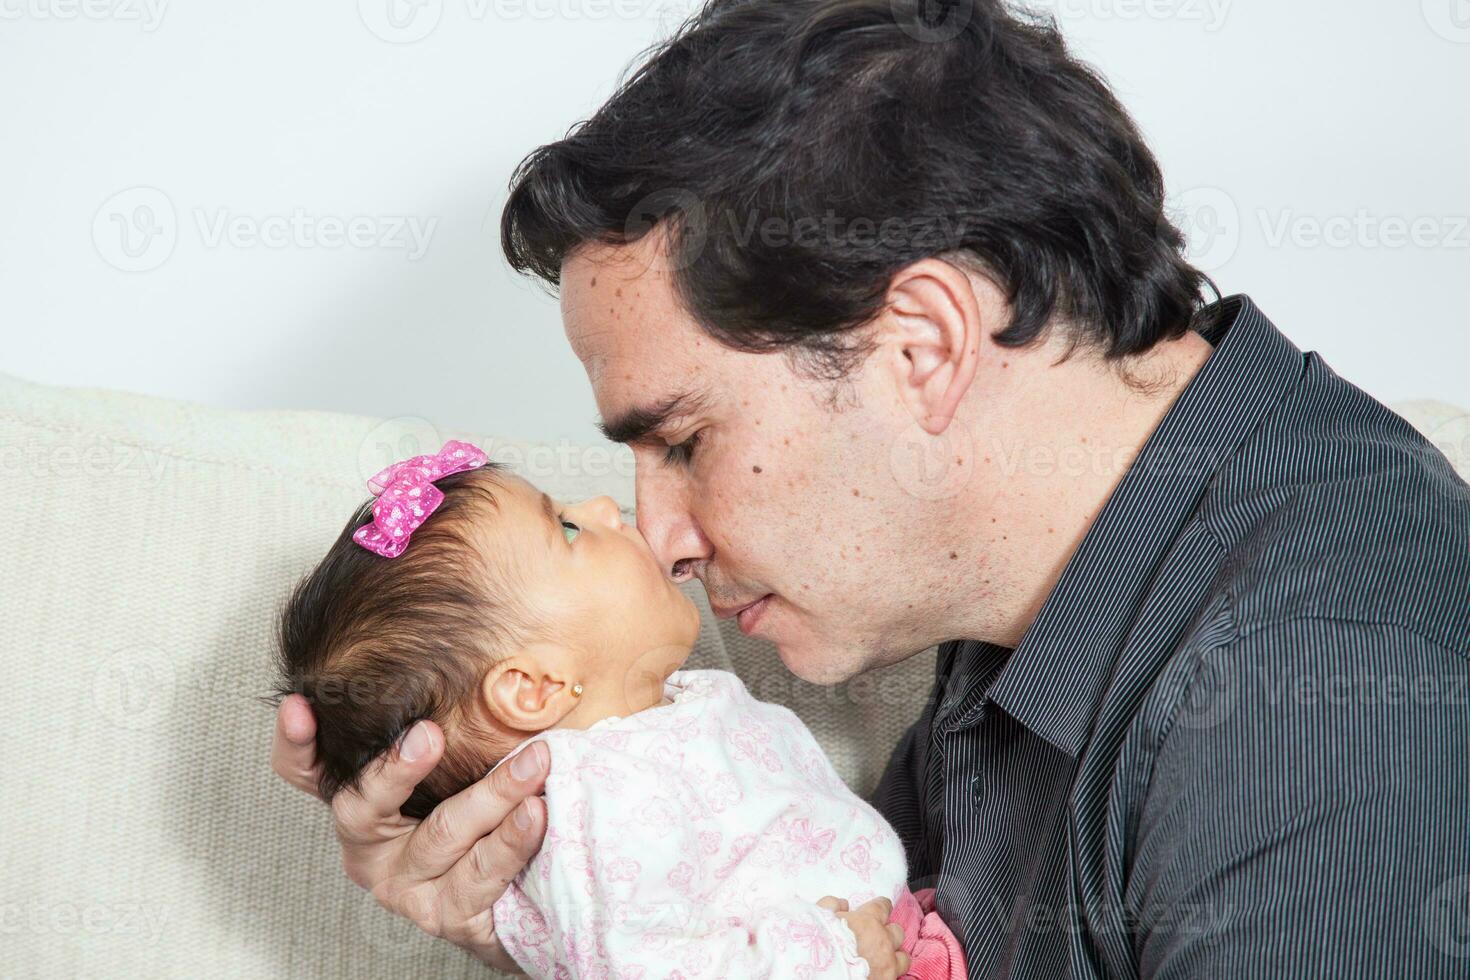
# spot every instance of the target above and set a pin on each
(692, 840)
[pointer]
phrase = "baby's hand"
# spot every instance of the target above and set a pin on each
(879, 941)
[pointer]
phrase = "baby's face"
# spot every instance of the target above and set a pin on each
(592, 577)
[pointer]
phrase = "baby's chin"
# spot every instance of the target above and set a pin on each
(692, 611)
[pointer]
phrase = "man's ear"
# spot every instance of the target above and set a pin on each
(530, 690)
(934, 332)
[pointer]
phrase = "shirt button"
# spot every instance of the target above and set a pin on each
(975, 787)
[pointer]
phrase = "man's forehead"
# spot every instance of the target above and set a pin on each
(623, 323)
(603, 308)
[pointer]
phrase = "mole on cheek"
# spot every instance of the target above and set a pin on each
(755, 469)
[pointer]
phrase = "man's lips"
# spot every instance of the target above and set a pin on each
(747, 613)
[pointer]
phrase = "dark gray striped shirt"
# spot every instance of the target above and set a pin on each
(1235, 741)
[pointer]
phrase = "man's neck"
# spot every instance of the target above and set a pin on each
(1069, 435)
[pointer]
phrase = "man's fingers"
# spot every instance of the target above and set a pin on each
(387, 787)
(478, 880)
(370, 812)
(904, 962)
(895, 933)
(293, 745)
(457, 824)
(833, 904)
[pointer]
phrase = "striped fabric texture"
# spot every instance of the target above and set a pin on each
(1235, 741)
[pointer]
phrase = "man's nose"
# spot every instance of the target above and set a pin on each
(666, 524)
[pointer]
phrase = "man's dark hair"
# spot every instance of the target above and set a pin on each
(376, 644)
(966, 126)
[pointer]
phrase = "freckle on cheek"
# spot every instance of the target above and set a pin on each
(755, 469)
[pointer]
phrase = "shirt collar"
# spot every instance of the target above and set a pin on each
(1054, 679)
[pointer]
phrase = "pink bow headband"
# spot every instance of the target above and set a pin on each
(407, 496)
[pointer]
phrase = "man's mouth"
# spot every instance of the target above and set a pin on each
(747, 615)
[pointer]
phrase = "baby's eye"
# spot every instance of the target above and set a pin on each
(570, 530)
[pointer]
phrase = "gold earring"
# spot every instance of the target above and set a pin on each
(576, 690)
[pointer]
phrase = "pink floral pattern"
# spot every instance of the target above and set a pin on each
(692, 841)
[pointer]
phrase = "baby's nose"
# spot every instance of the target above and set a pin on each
(606, 510)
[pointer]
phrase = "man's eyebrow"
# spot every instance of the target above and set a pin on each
(637, 424)
(548, 508)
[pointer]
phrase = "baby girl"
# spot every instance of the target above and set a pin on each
(691, 829)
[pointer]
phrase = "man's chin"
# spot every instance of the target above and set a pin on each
(826, 667)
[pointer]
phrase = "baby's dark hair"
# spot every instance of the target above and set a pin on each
(376, 644)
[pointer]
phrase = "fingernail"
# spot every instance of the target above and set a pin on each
(522, 816)
(527, 763)
(415, 743)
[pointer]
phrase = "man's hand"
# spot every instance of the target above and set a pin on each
(445, 873)
(880, 942)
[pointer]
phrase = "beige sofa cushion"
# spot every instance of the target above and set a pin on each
(148, 544)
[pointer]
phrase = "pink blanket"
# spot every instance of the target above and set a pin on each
(932, 947)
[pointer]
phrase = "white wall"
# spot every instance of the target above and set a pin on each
(1271, 118)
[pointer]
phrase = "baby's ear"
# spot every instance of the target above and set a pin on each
(529, 691)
